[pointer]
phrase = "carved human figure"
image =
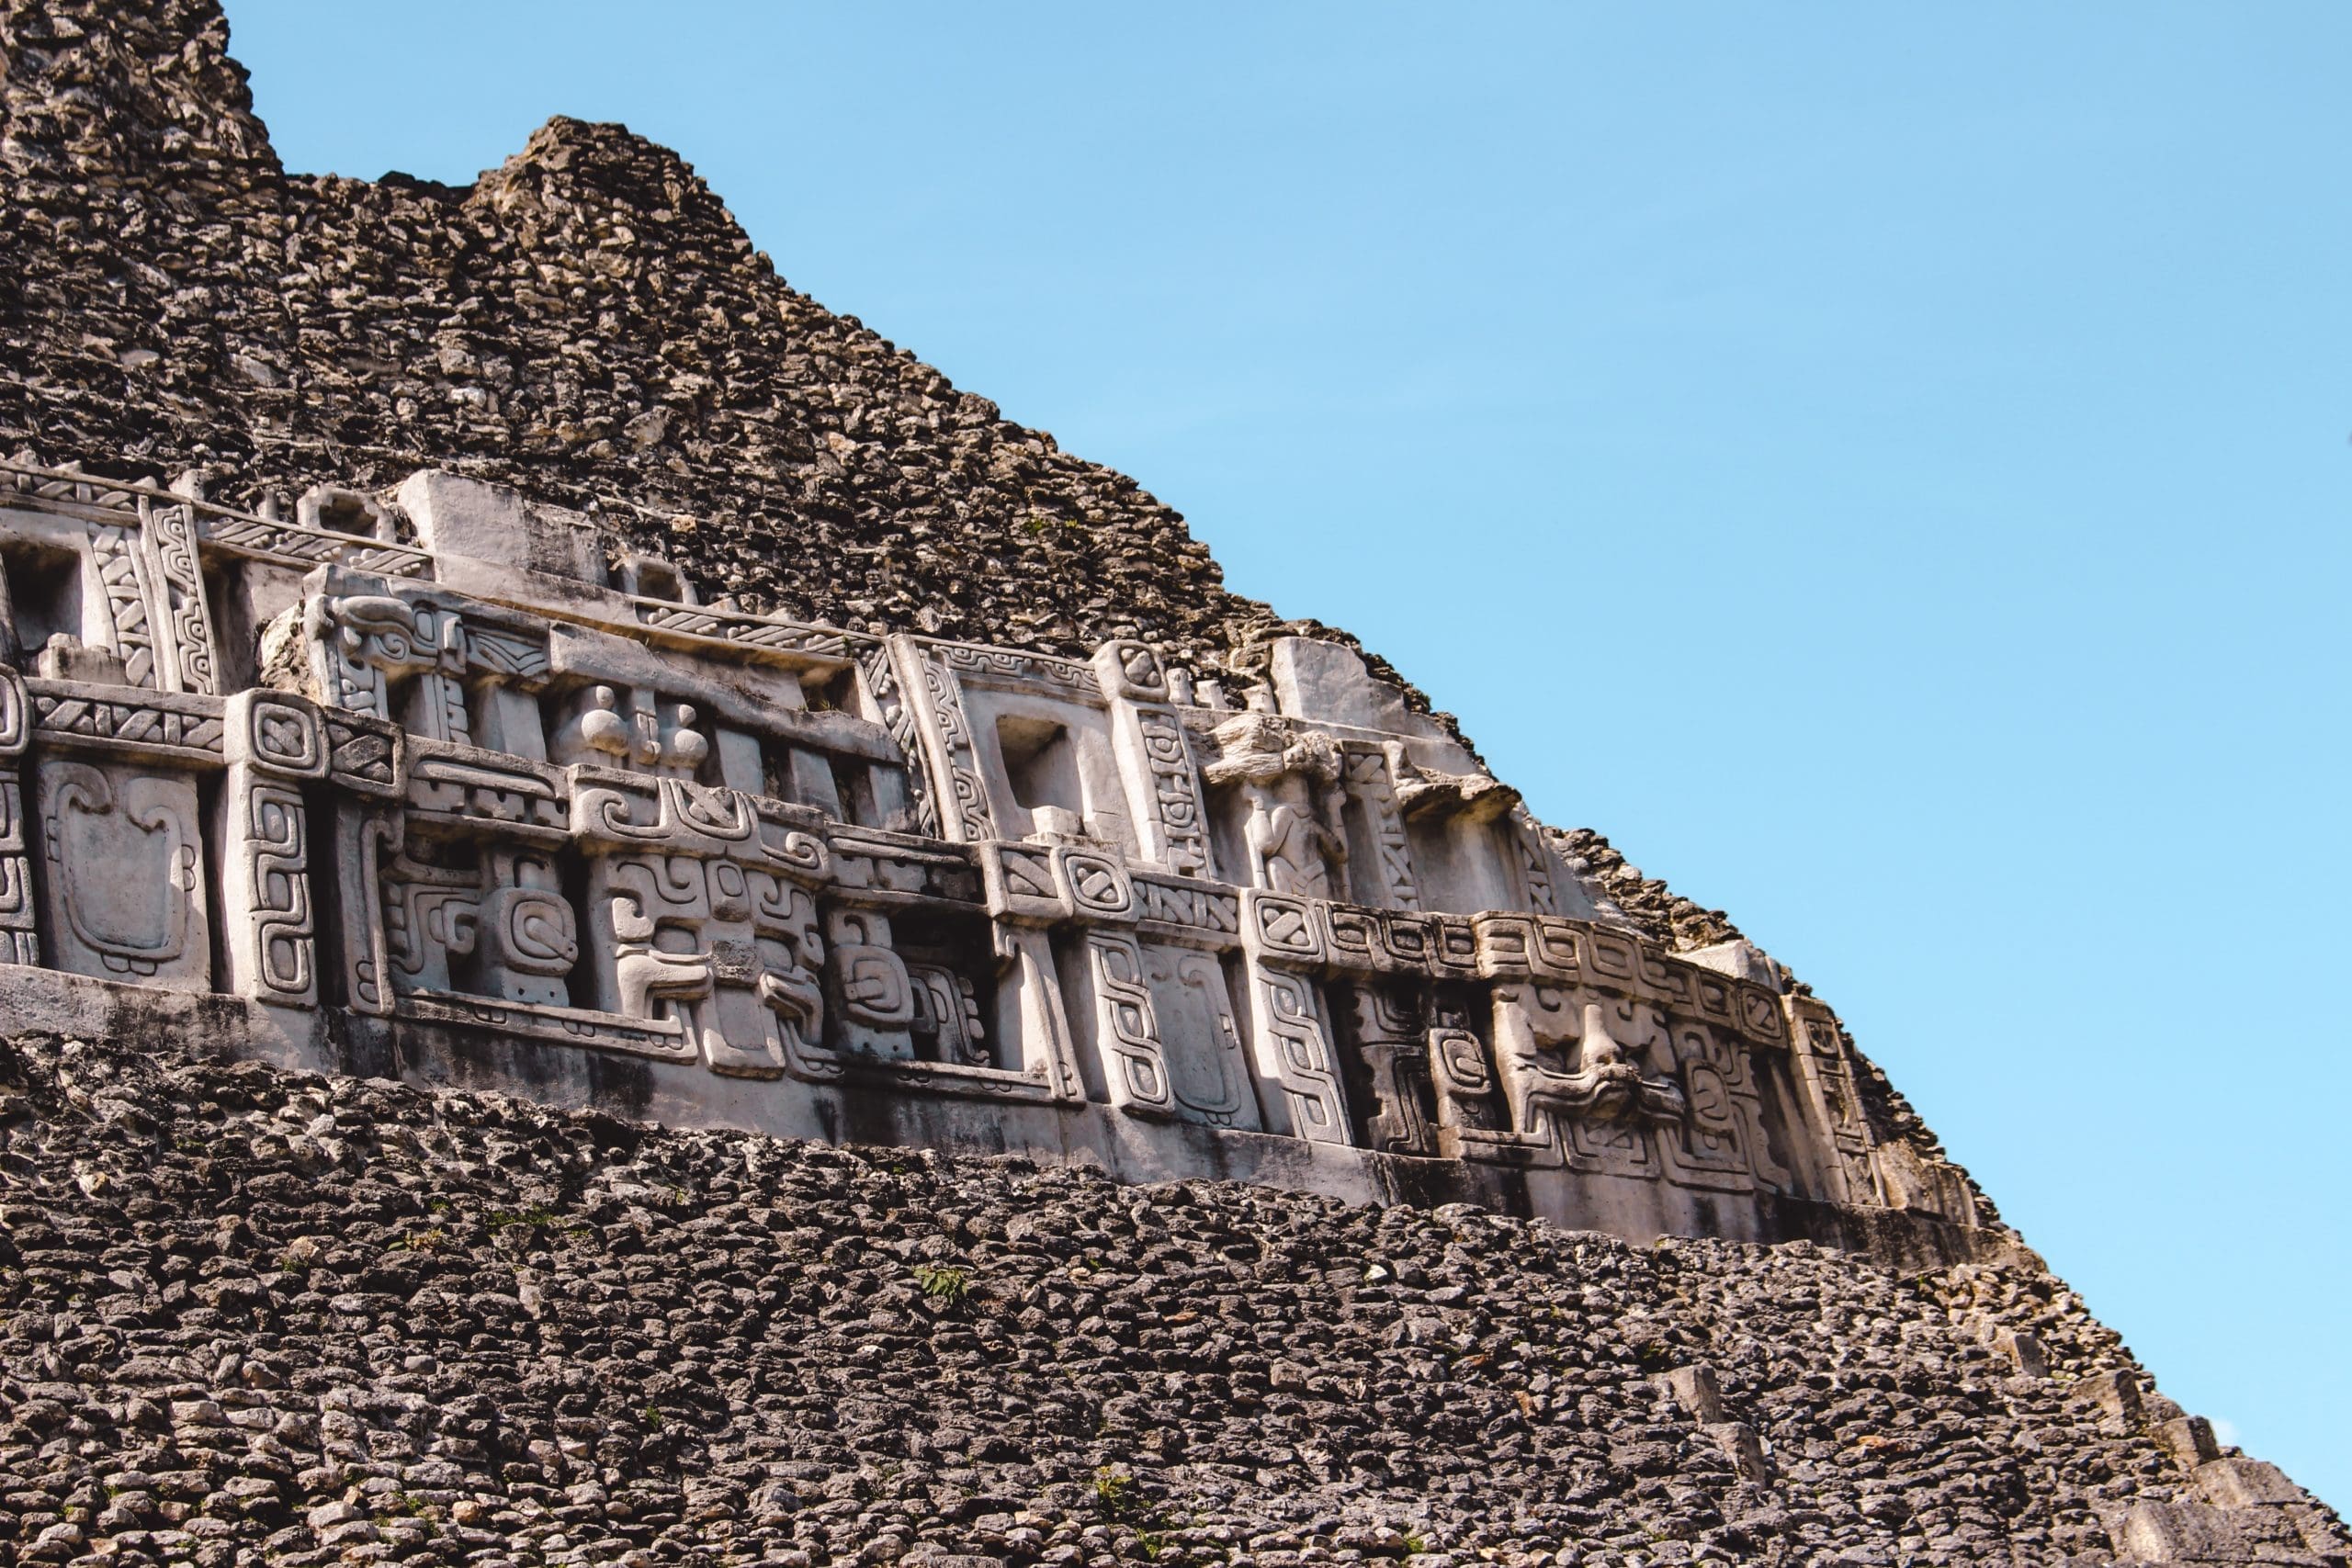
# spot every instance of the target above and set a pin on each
(1290, 787)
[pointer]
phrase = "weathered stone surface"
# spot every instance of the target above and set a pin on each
(569, 660)
(277, 1315)
(513, 807)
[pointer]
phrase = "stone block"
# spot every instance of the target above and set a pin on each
(2190, 1440)
(2116, 1395)
(1328, 682)
(1739, 958)
(494, 523)
(1694, 1389)
(2197, 1532)
(2023, 1348)
(2245, 1482)
(1741, 1445)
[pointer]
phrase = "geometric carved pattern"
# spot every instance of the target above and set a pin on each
(577, 819)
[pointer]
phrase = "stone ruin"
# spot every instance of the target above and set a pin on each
(581, 677)
(447, 783)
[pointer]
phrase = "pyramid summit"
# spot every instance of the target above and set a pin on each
(597, 858)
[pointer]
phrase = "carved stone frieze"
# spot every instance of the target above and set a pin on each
(482, 794)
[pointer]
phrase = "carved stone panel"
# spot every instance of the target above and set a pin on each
(1383, 1031)
(1293, 1048)
(20, 933)
(122, 872)
(19, 926)
(1587, 1074)
(189, 662)
(877, 1002)
(1126, 1025)
(1157, 759)
(1208, 1071)
(265, 890)
(1380, 872)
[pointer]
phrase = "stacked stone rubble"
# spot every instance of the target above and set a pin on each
(248, 1316)
(587, 321)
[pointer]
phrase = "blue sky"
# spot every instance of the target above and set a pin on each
(1886, 466)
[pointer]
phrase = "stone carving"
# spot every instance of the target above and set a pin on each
(188, 619)
(1370, 786)
(113, 718)
(900, 719)
(114, 553)
(1209, 1073)
(467, 802)
(123, 873)
(1294, 1052)
(268, 892)
(1156, 755)
(877, 1002)
(366, 641)
(736, 627)
(1189, 912)
(1287, 781)
(530, 939)
(947, 1013)
(1127, 1026)
(19, 927)
(400, 657)
(967, 796)
(1426, 791)
(1394, 1047)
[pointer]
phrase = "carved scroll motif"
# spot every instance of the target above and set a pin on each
(877, 1003)
(1825, 1084)
(19, 925)
(1155, 758)
(274, 743)
(967, 800)
(948, 1012)
(898, 718)
(364, 839)
(366, 641)
(1126, 1029)
(1720, 1142)
(269, 893)
(187, 646)
(1175, 794)
(529, 939)
(1395, 1049)
(1005, 665)
(1294, 1049)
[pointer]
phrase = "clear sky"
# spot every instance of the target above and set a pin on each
(1887, 466)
